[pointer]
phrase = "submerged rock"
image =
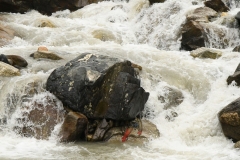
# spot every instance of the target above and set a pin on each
(206, 53)
(6, 34)
(217, 5)
(171, 97)
(7, 70)
(230, 120)
(39, 118)
(99, 87)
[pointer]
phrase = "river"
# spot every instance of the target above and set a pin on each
(148, 36)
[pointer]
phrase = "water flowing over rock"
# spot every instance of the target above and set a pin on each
(171, 97)
(43, 6)
(6, 34)
(217, 5)
(230, 120)
(206, 53)
(99, 87)
(39, 117)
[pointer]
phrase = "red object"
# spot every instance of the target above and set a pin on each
(126, 134)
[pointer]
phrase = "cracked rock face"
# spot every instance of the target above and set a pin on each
(99, 87)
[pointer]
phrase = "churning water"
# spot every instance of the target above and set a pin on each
(148, 36)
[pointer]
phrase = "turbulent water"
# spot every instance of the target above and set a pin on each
(146, 35)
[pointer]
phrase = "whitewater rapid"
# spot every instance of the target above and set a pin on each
(148, 36)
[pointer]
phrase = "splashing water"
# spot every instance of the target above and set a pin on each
(146, 35)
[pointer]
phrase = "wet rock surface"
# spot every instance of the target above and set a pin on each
(99, 87)
(39, 118)
(230, 120)
(6, 34)
(171, 97)
(74, 127)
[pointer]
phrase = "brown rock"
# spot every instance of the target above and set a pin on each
(235, 77)
(193, 36)
(40, 118)
(74, 127)
(236, 49)
(230, 120)
(217, 5)
(17, 61)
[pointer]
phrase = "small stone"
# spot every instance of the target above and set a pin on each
(42, 48)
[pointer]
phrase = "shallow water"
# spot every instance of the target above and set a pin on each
(148, 36)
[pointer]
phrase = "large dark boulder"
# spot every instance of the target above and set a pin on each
(193, 36)
(99, 87)
(230, 120)
(235, 77)
(217, 5)
(43, 6)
